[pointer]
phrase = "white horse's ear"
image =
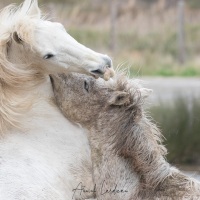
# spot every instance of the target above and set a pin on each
(119, 98)
(34, 9)
(145, 93)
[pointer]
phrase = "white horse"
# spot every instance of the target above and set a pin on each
(42, 155)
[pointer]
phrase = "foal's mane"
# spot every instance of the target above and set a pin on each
(136, 137)
(15, 78)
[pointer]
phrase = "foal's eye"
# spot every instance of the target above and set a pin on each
(48, 56)
(86, 86)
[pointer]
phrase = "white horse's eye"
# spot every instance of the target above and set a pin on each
(48, 56)
(86, 86)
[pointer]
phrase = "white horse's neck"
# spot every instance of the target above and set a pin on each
(45, 152)
(43, 92)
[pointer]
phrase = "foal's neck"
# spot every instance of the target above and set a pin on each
(139, 142)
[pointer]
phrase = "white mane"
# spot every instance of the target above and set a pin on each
(14, 79)
(18, 18)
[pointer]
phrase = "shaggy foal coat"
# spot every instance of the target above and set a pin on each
(127, 152)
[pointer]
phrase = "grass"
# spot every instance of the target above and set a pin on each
(194, 4)
(166, 70)
(96, 39)
(180, 126)
(154, 54)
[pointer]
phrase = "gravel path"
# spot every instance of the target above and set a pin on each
(167, 89)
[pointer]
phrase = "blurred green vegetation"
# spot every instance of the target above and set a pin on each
(195, 4)
(96, 39)
(180, 126)
(154, 54)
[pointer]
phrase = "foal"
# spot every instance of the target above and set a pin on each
(127, 154)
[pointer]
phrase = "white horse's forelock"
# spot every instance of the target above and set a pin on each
(14, 79)
(13, 17)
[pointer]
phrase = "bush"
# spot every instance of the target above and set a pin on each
(180, 126)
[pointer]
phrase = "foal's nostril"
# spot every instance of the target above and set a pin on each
(108, 62)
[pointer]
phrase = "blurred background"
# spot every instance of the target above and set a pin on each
(159, 41)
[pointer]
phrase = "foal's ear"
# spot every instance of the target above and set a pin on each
(119, 98)
(34, 9)
(145, 93)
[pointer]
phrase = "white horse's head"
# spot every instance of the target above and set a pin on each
(32, 40)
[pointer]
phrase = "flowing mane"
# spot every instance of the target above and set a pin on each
(15, 78)
(18, 18)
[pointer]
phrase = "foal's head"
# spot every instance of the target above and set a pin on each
(83, 99)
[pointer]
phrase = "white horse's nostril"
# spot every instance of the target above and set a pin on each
(108, 62)
(98, 72)
(105, 70)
